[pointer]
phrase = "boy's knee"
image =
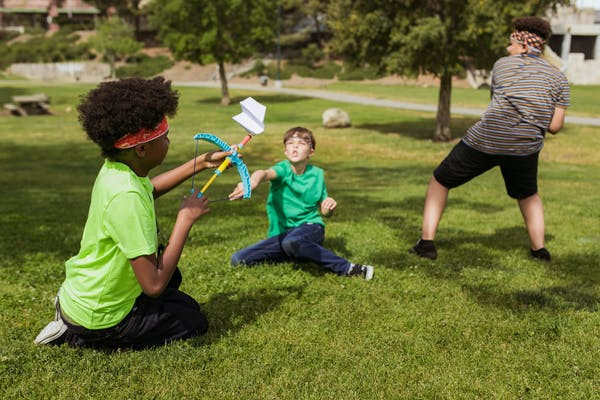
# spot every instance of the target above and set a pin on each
(290, 247)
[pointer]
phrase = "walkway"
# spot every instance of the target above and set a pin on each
(364, 100)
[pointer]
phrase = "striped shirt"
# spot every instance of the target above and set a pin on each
(525, 91)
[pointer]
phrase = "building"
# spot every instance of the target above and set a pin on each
(576, 42)
(45, 14)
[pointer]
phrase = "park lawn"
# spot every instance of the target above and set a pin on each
(584, 99)
(483, 321)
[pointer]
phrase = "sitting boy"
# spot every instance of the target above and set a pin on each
(121, 290)
(529, 97)
(296, 230)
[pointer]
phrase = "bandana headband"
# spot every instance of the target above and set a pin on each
(142, 136)
(534, 42)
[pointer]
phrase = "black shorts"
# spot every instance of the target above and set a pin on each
(465, 163)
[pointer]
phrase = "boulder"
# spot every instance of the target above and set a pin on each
(336, 118)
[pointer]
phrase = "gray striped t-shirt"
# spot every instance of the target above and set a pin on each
(525, 91)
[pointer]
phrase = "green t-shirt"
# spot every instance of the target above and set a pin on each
(100, 287)
(294, 199)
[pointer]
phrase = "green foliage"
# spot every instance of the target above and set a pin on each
(203, 31)
(311, 54)
(144, 66)
(482, 322)
(59, 47)
(114, 40)
(353, 73)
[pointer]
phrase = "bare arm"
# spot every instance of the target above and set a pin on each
(154, 273)
(255, 179)
(558, 119)
(166, 181)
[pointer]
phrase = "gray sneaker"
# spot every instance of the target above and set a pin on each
(54, 332)
(365, 271)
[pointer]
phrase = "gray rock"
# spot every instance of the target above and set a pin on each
(336, 118)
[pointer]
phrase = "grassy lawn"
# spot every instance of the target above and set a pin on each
(483, 321)
(583, 98)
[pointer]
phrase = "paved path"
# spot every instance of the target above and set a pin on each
(350, 98)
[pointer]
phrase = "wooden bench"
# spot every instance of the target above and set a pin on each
(35, 104)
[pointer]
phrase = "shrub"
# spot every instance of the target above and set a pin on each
(56, 48)
(311, 54)
(144, 66)
(354, 73)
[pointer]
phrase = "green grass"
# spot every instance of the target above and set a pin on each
(483, 321)
(583, 98)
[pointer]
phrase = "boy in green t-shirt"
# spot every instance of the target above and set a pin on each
(296, 195)
(121, 289)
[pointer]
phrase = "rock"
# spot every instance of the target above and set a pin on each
(336, 118)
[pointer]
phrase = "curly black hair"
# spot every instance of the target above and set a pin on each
(117, 108)
(536, 25)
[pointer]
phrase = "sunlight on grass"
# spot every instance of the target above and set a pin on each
(483, 321)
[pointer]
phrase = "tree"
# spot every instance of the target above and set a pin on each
(114, 40)
(129, 10)
(427, 36)
(220, 31)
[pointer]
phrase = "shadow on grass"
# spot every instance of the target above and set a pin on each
(555, 298)
(229, 312)
(7, 93)
(418, 128)
(265, 99)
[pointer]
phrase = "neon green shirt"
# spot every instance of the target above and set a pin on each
(294, 199)
(100, 287)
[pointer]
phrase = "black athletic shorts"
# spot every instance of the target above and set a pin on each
(465, 163)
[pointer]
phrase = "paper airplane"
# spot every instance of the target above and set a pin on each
(252, 116)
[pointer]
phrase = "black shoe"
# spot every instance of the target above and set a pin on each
(425, 249)
(364, 271)
(541, 254)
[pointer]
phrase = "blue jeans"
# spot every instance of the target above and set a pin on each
(303, 243)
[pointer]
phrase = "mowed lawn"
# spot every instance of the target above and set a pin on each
(483, 321)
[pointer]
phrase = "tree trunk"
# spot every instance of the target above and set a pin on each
(442, 123)
(225, 100)
(111, 62)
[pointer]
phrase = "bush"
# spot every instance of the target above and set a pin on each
(311, 54)
(144, 66)
(257, 69)
(56, 48)
(353, 73)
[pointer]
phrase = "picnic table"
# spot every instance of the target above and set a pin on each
(34, 104)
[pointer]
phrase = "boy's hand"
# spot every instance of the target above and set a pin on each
(213, 159)
(192, 208)
(327, 206)
(238, 192)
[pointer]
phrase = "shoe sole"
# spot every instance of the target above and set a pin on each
(369, 273)
(54, 330)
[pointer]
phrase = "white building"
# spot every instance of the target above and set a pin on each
(576, 41)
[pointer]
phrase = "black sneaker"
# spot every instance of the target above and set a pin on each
(425, 249)
(541, 254)
(365, 271)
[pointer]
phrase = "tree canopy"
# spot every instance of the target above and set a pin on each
(114, 39)
(204, 31)
(436, 37)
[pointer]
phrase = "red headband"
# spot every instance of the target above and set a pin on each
(142, 136)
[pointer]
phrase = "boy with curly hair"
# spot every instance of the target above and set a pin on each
(296, 196)
(529, 98)
(121, 289)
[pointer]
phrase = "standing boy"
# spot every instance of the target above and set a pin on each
(296, 195)
(121, 290)
(529, 97)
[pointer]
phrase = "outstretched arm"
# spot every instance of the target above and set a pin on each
(255, 179)
(166, 181)
(154, 273)
(558, 119)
